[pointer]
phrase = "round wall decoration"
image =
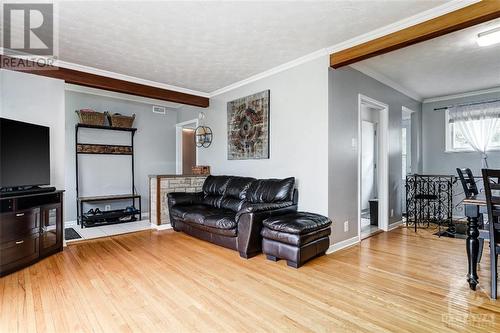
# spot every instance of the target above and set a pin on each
(203, 136)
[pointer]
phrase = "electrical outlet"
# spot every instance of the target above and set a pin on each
(392, 212)
(107, 208)
(346, 226)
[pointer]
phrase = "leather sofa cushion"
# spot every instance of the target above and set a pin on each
(215, 185)
(212, 231)
(206, 215)
(237, 187)
(295, 239)
(271, 190)
(212, 200)
(179, 211)
(232, 203)
(197, 213)
(224, 219)
(236, 192)
(297, 223)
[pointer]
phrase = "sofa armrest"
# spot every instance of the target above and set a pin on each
(183, 198)
(250, 219)
(262, 207)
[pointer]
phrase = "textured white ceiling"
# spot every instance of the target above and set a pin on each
(450, 64)
(205, 46)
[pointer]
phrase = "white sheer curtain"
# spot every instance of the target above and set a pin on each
(478, 123)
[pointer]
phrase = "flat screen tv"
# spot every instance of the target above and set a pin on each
(24, 154)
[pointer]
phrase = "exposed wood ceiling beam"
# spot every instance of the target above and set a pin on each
(102, 82)
(474, 14)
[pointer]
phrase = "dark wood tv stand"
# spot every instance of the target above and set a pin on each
(31, 228)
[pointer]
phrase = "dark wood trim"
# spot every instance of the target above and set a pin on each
(158, 201)
(101, 82)
(474, 14)
(149, 199)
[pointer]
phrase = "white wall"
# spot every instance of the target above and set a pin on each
(298, 132)
(154, 145)
(38, 100)
(345, 85)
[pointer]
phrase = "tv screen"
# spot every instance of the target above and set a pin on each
(24, 154)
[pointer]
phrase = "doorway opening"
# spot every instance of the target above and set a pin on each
(186, 151)
(406, 152)
(373, 120)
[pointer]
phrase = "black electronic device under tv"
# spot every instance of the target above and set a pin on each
(24, 157)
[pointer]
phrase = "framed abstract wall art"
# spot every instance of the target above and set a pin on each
(248, 127)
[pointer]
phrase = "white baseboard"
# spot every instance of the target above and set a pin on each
(70, 223)
(343, 244)
(395, 225)
(161, 226)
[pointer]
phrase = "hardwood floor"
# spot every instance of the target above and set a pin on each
(165, 281)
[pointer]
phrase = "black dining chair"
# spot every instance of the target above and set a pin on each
(492, 193)
(470, 189)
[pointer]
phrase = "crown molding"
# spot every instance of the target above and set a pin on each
(114, 75)
(272, 71)
(393, 27)
(462, 95)
(121, 96)
(429, 14)
(385, 80)
(404, 23)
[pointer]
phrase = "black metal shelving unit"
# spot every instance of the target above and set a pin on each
(113, 216)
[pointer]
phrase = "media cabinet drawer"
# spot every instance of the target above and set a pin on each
(18, 253)
(19, 224)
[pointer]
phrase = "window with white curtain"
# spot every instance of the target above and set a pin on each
(456, 141)
(474, 127)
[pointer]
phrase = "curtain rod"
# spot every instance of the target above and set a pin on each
(467, 104)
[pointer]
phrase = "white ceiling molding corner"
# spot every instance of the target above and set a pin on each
(388, 82)
(116, 95)
(462, 95)
(399, 25)
(415, 19)
(272, 71)
(402, 24)
(96, 71)
(123, 77)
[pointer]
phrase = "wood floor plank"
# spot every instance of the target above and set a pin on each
(159, 281)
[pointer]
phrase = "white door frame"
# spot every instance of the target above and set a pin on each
(409, 111)
(383, 161)
(178, 144)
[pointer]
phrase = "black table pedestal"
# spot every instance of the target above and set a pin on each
(472, 243)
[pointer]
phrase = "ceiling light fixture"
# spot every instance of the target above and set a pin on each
(489, 37)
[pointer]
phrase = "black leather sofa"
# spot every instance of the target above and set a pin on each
(229, 211)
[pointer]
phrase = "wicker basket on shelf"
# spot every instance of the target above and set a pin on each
(91, 117)
(119, 120)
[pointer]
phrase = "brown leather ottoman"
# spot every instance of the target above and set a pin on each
(296, 237)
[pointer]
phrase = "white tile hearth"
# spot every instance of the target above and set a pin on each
(108, 230)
